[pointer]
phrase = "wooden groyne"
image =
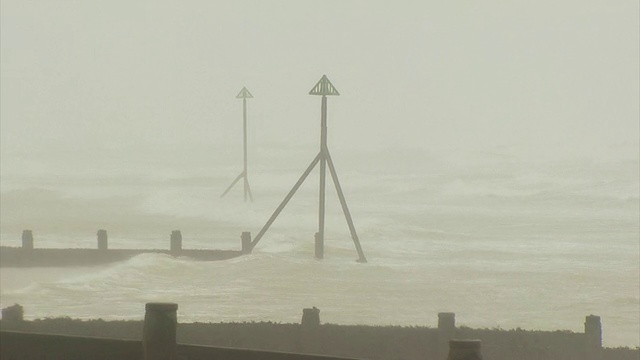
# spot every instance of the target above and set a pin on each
(269, 340)
(159, 342)
(17, 257)
(29, 256)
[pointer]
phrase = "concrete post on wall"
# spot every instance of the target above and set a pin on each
(593, 337)
(103, 240)
(27, 240)
(246, 242)
(159, 331)
(176, 241)
(319, 246)
(464, 350)
(446, 332)
(309, 334)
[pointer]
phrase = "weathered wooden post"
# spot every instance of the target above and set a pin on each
(309, 335)
(103, 240)
(310, 317)
(593, 337)
(319, 242)
(176, 241)
(464, 350)
(27, 240)
(159, 332)
(13, 313)
(246, 242)
(446, 332)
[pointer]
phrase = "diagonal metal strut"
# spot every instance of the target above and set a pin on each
(242, 175)
(286, 200)
(345, 208)
(247, 189)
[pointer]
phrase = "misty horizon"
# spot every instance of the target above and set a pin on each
(429, 76)
(484, 149)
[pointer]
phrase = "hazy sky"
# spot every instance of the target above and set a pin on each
(100, 75)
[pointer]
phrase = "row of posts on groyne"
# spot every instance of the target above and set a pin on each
(323, 160)
(447, 335)
(175, 241)
(160, 328)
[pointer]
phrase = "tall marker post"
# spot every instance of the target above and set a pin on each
(324, 88)
(244, 94)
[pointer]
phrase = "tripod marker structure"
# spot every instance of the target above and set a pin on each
(244, 94)
(323, 88)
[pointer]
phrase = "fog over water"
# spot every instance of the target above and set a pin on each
(489, 154)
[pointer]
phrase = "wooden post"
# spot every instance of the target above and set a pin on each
(27, 240)
(310, 342)
(246, 242)
(103, 242)
(446, 332)
(319, 242)
(176, 241)
(159, 331)
(14, 313)
(310, 317)
(464, 350)
(593, 337)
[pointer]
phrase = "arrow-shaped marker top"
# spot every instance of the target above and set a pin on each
(244, 94)
(324, 87)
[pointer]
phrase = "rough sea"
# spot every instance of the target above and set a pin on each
(503, 241)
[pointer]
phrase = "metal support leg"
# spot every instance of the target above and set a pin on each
(248, 188)
(345, 208)
(321, 206)
(233, 183)
(286, 200)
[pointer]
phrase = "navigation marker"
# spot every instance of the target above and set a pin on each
(325, 88)
(244, 94)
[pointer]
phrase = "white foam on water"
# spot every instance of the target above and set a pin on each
(532, 245)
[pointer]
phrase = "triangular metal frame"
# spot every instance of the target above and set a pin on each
(244, 94)
(324, 88)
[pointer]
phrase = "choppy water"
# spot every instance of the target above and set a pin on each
(500, 242)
